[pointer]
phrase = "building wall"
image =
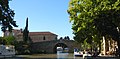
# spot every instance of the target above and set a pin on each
(41, 38)
(50, 46)
(14, 32)
(35, 36)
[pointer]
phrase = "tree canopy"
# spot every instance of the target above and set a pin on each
(94, 18)
(6, 16)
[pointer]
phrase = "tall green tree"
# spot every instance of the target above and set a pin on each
(26, 32)
(82, 15)
(6, 16)
(92, 19)
(26, 37)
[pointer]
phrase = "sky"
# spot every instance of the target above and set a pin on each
(43, 15)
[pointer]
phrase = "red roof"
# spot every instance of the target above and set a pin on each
(39, 33)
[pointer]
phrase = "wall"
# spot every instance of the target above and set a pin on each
(49, 46)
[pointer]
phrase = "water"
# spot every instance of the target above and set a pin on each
(61, 55)
(58, 55)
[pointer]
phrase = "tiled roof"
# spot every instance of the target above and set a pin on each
(39, 33)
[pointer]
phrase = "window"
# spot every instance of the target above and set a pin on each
(44, 38)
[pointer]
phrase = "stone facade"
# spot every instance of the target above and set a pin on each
(14, 33)
(44, 42)
(51, 46)
(39, 36)
(35, 36)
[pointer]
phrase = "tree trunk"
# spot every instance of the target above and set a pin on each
(99, 47)
(118, 50)
(104, 45)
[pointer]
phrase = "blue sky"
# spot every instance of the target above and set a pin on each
(43, 15)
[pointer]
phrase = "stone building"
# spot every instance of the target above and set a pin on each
(14, 33)
(35, 36)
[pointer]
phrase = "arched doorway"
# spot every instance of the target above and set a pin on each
(59, 45)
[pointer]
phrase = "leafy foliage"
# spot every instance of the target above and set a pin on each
(9, 39)
(2, 41)
(92, 19)
(82, 16)
(6, 16)
(107, 23)
(95, 18)
(66, 38)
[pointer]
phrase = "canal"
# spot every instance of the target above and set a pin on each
(58, 55)
(49, 56)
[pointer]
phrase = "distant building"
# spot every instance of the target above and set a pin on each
(34, 36)
(14, 33)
